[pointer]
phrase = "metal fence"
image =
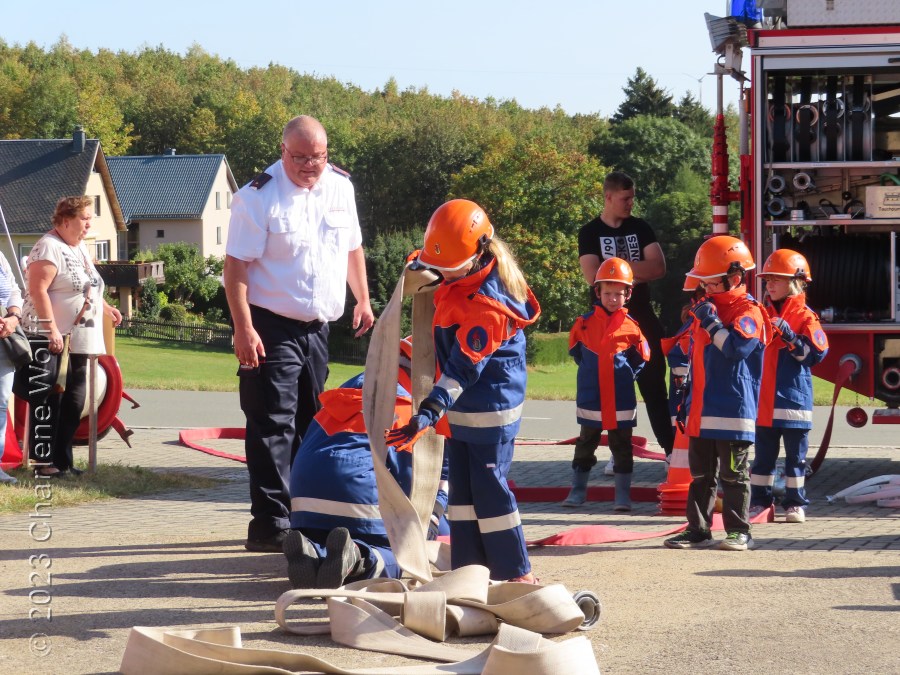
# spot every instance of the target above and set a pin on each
(342, 346)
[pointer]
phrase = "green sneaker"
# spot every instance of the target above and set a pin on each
(690, 539)
(737, 541)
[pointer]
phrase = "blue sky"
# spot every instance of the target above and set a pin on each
(577, 54)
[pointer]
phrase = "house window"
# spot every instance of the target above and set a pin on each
(218, 200)
(160, 234)
(228, 199)
(24, 252)
(219, 235)
(102, 254)
(97, 206)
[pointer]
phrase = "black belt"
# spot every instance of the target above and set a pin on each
(308, 325)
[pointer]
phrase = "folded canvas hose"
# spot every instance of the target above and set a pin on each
(883, 490)
(164, 651)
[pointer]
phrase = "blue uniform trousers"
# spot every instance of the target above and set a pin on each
(485, 527)
(796, 444)
(279, 402)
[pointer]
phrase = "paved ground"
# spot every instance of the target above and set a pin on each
(822, 597)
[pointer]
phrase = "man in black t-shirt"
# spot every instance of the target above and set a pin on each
(616, 233)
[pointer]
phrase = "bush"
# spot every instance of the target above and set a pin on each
(548, 349)
(175, 313)
(149, 300)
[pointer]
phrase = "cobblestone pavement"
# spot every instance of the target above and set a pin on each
(176, 558)
(222, 509)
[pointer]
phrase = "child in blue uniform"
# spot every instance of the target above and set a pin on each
(728, 336)
(610, 351)
(338, 534)
(786, 395)
(481, 308)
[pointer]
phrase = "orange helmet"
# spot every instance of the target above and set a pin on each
(615, 269)
(406, 350)
(690, 284)
(786, 263)
(456, 235)
(720, 256)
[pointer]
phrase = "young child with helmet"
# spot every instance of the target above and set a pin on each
(728, 336)
(786, 395)
(337, 532)
(481, 308)
(610, 350)
(677, 350)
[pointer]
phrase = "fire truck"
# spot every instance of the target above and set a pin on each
(819, 122)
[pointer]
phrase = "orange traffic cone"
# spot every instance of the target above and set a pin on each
(673, 492)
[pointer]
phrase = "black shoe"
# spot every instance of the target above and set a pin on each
(690, 539)
(302, 559)
(342, 559)
(273, 544)
(72, 471)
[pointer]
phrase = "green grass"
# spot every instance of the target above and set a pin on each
(109, 481)
(153, 364)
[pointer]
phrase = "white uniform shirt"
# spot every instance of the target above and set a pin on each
(76, 281)
(297, 241)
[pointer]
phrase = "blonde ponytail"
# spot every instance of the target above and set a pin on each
(508, 269)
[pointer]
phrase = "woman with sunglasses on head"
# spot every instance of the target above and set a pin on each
(63, 315)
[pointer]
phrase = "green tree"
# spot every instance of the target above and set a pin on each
(538, 198)
(643, 96)
(188, 274)
(651, 149)
(681, 220)
(149, 304)
(694, 116)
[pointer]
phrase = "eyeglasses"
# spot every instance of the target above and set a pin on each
(301, 160)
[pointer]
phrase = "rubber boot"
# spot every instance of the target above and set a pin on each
(623, 492)
(578, 493)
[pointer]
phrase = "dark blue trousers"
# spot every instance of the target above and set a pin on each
(279, 402)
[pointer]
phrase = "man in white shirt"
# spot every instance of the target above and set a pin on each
(294, 243)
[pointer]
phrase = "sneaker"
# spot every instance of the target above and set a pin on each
(690, 539)
(757, 509)
(736, 541)
(273, 544)
(795, 514)
(342, 559)
(622, 508)
(610, 468)
(302, 560)
(6, 479)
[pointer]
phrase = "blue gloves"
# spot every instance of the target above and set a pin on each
(784, 330)
(404, 438)
(705, 312)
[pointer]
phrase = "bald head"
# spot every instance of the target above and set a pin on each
(304, 128)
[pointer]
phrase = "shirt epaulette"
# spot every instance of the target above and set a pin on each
(260, 180)
(339, 170)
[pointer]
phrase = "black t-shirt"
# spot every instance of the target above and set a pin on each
(627, 241)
